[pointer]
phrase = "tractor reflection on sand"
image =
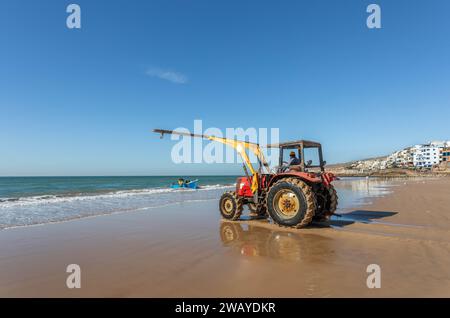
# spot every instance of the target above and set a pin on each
(260, 241)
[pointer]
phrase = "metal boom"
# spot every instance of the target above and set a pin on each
(239, 146)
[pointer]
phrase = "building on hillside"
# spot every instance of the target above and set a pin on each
(426, 156)
(439, 144)
(419, 156)
(402, 158)
(445, 155)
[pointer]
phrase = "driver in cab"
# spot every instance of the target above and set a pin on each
(293, 161)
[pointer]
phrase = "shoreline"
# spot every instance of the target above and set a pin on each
(393, 176)
(28, 204)
(391, 173)
(185, 250)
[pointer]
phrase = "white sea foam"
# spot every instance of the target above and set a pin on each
(6, 203)
(52, 208)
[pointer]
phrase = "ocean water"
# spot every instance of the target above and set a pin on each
(38, 200)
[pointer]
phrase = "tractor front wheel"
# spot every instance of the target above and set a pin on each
(230, 206)
(290, 202)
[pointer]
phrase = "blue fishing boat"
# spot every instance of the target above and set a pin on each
(185, 184)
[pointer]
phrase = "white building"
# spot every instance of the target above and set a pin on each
(444, 147)
(439, 144)
(426, 156)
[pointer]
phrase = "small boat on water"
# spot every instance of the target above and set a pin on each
(185, 184)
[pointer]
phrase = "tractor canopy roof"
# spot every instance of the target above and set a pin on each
(295, 144)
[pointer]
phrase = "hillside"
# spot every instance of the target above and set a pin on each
(373, 167)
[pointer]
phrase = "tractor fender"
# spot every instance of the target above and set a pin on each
(305, 176)
(328, 177)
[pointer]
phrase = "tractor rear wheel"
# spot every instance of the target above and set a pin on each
(230, 206)
(332, 201)
(329, 199)
(290, 202)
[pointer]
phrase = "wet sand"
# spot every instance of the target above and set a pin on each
(185, 250)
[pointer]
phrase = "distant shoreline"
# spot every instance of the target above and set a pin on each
(389, 173)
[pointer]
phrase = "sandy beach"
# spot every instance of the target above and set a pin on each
(186, 250)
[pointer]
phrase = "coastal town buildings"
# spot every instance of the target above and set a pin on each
(445, 154)
(403, 158)
(421, 156)
(426, 156)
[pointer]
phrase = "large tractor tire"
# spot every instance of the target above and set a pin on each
(230, 206)
(291, 202)
(329, 202)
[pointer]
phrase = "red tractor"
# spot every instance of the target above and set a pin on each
(292, 195)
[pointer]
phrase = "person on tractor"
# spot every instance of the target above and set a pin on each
(293, 161)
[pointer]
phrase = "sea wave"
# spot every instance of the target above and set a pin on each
(6, 203)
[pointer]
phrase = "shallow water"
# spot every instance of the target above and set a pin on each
(20, 188)
(29, 201)
(360, 191)
(37, 200)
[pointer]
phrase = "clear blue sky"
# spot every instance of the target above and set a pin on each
(82, 102)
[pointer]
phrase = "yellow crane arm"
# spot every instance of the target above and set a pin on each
(239, 146)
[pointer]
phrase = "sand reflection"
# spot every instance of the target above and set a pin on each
(263, 239)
